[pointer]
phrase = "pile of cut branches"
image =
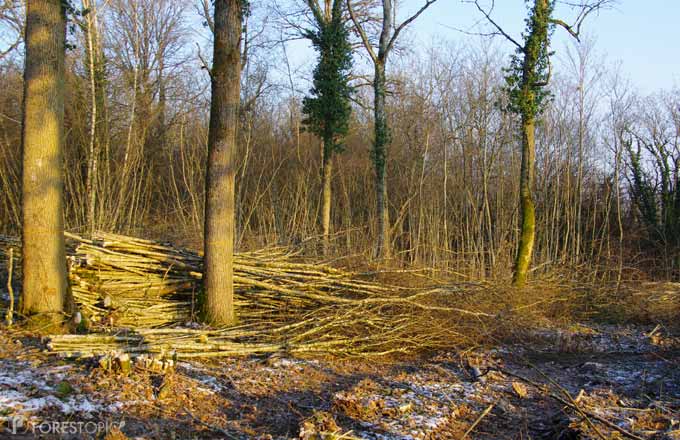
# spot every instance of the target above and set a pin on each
(142, 296)
(129, 282)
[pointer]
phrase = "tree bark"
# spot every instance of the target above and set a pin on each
(45, 286)
(531, 84)
(220, 179)
(92, 57)
(527, 211)
(380, 162)
(327, 194)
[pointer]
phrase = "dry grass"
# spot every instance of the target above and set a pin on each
(640, 302)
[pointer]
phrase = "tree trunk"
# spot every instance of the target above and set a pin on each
(91, 184)
(527, 211)
(535, 48)
(380, 161)
(327, 194)
(219, 203)
(44, 260)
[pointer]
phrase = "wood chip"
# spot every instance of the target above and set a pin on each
(520, 389)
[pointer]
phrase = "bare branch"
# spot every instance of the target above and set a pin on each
(586, 9)
(13, 46)
(362, 33)
(410, 20)
(501, 31)
(204, 63)
(206, 14)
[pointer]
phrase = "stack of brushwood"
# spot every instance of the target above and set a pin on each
(141, 296)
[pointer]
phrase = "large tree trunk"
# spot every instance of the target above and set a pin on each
(327, 194)
(219, 203)
(44, 260)
(380, 161)
(527, 211)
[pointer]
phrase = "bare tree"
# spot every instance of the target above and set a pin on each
(388, 36)
(11, 26)
(95, 71)
(145, 45)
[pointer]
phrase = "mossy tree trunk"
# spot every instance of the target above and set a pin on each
(45, 285)
(218, 280)
(529, 75)
(526, 203)
(527, 99)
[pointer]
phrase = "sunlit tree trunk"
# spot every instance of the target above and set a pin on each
(219, 204)
(44, 260)
(533, 79)
(327, 195)
(93, 59)
(526, 203)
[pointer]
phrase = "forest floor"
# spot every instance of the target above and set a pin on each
(628, 376)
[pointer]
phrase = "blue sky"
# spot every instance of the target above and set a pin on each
(643, 34)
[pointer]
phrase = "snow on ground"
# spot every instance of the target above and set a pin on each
(27, 390)
(627, 375)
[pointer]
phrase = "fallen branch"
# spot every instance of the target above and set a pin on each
(479, 419)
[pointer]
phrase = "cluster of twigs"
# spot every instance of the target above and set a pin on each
(142, 296)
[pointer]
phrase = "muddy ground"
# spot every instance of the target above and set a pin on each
(553, 384)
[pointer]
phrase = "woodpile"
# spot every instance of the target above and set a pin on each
(142, 296)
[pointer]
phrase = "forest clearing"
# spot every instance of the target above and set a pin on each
(338, 219)
(388, 362)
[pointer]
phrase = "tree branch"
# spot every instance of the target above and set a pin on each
(500, 30)
(586, 9)
(545, 82)
(13, 46)
(316, 10)
(410, 20)
(204, 63)
(362, 33)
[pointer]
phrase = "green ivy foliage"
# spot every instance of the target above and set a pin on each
(327, 110)
(655, 191)
(529, 69)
